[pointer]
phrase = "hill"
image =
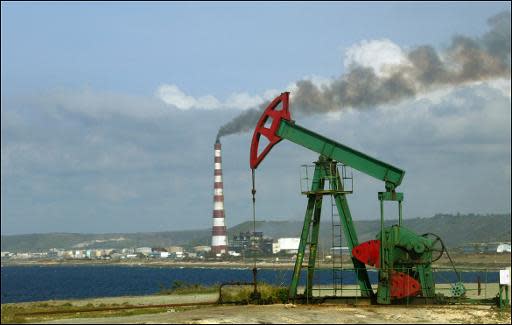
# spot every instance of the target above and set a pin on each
(455, 230)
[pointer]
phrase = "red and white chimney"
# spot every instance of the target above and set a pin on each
(219, 237)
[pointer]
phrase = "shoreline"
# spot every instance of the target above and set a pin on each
(203, 307)
(145, 263)
(485, 263)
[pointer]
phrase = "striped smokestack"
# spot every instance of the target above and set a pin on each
(219, 237)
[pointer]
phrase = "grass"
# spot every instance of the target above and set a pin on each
(21, 313)
(243, 294)
(232, 293)
(182, 288)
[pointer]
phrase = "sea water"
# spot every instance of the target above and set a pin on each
(38, 283)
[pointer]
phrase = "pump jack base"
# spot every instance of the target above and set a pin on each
(366, 301)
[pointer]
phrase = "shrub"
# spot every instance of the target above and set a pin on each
(242, 294)
(181, 287)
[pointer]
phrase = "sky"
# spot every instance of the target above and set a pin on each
(109, 111)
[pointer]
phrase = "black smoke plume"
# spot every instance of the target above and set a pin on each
(465, 60)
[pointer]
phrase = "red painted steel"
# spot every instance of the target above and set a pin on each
(402, 285)
(276, 115)
(368, 252)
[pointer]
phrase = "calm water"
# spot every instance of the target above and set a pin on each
(36, 283)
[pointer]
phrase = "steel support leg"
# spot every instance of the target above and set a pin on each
(302, 249)
(384, 290)
(349, 231)
(315, 185)
(313, 246)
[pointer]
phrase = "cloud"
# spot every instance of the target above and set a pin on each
(99, 167)
(243, 101)
(380, 55)
(111, 192)
(450, 147)
(172, 95)
(99, 104)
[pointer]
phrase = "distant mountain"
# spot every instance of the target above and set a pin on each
(455, 230)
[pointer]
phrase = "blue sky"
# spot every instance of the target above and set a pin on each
(208, 47)
(91, 143)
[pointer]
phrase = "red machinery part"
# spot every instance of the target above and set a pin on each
(368, 252)
(275, 113)
(402, 285)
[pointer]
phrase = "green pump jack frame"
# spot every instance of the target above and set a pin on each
(282, 127)
(326, 169)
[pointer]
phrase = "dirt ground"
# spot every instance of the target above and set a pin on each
(293, 314)
(284, 313)
(138, 300)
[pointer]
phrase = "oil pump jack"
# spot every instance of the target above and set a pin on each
(402, 257)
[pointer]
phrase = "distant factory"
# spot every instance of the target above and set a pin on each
(255, 243)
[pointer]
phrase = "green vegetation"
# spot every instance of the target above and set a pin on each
(39, 312)
(243, 294)
(238, 294)
(181, 287)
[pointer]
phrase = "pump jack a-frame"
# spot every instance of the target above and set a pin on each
(402, 257)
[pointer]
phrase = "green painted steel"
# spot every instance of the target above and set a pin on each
(350, 232)
(325, 169)
(313, 245)
(391, 196)
(428, 286)
(331, 149)
(402, 250)
(315, 185)
(336, 186)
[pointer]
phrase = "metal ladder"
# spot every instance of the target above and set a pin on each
(336, 250)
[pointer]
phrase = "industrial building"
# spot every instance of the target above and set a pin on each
(288, 245)
(247, 242)
(251, 242)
